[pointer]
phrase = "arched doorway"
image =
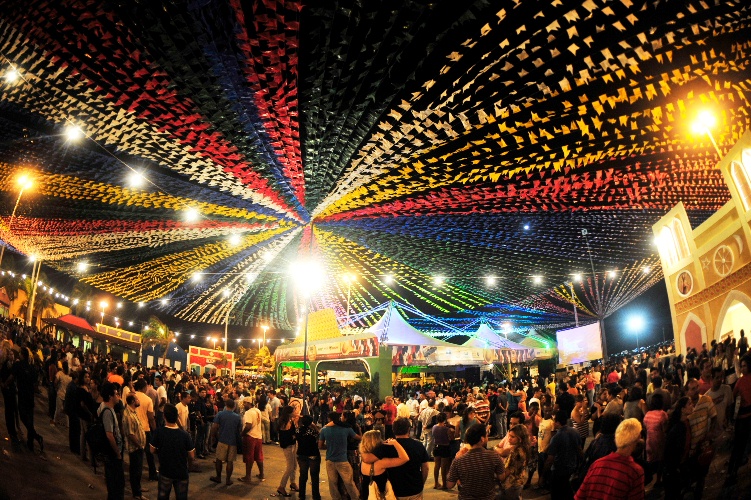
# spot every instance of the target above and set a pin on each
(735, 316)
(693, 333)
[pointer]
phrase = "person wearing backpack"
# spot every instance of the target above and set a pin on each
(114, 474)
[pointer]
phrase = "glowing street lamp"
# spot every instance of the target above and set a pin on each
(265, 329)
(703, 124)
(103, 305)
(309, 276)
(636, 325)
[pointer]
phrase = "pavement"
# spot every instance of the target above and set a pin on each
(58, 474)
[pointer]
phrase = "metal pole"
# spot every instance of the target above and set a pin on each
(716, 148)
(573, 296)
(34, 280)
(305, 348)
(226, 327)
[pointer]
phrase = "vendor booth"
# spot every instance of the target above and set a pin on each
(101, 338)
(392, 343)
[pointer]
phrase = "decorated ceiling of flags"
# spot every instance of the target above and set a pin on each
(398, 142)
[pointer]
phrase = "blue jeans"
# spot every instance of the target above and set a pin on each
(501, 424)
(114, 477)
(312, 464)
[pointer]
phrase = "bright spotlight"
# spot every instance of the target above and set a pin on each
(578, 278)
(705, 120)
(526, 227)
(267, 256)
(192, 214)
(438, 280)
(226, 293)
(646, 269)
(192, 337)
(12, 75)
(177, 334)
(611, 274)
(636, 323)
(537, 280)
(140, 304)
(388, 279)
(309, 275)
(25, 182)
(490, 280)
(82, 267)
(349, 278)
(235, 239)
(73, 133)
(197, 277)
(103, 305)
(136, 179)
(165, 302)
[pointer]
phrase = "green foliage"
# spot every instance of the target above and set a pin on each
(365, 387)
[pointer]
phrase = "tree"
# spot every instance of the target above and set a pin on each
(157, 333)
(43, 299)
(12, 284)
(83, 293)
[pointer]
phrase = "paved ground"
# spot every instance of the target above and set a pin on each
(58, 474)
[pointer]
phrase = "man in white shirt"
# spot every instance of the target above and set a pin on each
(427, 435)
(722, 397)
(274, 405)
(161, 392)
(252, 435)
(183, 412)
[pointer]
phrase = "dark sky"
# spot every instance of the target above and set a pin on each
(654, 307)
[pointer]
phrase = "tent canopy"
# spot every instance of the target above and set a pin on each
(396, 331)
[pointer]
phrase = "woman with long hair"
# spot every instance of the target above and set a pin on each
(515, 472)
(467, 421)
(288, 445)
(442, 451)
(678, 445)
(263, 407)
(374, 468)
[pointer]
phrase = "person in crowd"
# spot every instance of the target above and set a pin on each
(265, 410)
(677, 449)
(426, 418)
(442, 436)
(135, 442)
(476, 469)
(741, 391)
(373, 468)
(468, 420)
(148, 420)
(616, 475)
(656, 425)
(8, 385)
(702, 419)
(62, 379)
(407, 480)
(274, 403)
(114, 475)
(333, 438)
(204, 418)
(634, 407)
(389, 411)
(580, 416)
(544, 434)
(563, 454)
(667, 401)
(308, 457)
(501, 412)
(71, 410)
(722, 397)
(515, 473)
(176, 453)
(226, 428)
(25, 376)
(252, 439)
(287, 442)
(183, 412)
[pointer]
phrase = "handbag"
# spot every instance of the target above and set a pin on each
(375, 492)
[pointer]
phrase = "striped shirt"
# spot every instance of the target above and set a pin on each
(477, 472)
(613, 477)
(699, 419)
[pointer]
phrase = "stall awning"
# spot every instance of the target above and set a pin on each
(80, 326)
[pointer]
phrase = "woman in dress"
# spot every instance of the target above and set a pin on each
(373, 468)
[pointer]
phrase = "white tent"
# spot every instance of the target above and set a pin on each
(396, 331)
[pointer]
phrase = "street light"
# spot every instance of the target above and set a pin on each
(309, 276)
(26, 183)
(636, 325)
(103, 305)
(265, 329)
(703, 124)
(214, 339)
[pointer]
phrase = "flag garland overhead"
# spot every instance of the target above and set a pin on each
(447, 154)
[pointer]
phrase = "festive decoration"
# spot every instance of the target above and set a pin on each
(444, 155)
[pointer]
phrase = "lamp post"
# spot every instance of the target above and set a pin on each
(598, 303)
(573, 301)
(214, 339)
(36, 268)
(103, 305)
(636, 325)
(25, 183)
(704, 121)
(265, 328)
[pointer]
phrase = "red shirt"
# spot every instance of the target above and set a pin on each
(613, 476)
(613, 378)
(390, 411)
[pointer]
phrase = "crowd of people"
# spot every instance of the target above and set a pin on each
(605, 431)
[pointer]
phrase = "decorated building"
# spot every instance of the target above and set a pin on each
(707, 269)
(210, 361)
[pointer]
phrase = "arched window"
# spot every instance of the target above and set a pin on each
(740, 175)
(668, 243)
(679, 236)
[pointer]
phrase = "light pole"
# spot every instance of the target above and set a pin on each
(103, 305)
(573, 301)
(598, 303)
(214, 339)
(265, 328)
(25, 183)
(636, 325)
(36, 268)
